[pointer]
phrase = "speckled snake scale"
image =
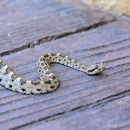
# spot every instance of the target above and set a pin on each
(49, 82)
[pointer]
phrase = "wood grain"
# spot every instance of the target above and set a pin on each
(27, 23)
(77, 90)
(31, 28)
(114, 115)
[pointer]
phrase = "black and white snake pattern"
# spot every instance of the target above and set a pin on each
(49, 82)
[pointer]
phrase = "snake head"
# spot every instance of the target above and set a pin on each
(96, 68)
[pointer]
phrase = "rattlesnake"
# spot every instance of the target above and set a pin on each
(49, 82)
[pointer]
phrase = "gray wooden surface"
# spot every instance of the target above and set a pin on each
(32, 28)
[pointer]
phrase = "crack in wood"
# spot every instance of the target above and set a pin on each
(98, 103)
(55, 37)
(90, 106)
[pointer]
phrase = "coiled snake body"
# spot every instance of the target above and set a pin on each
(49, 82)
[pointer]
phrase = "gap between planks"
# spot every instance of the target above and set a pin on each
(55, 37)
(78, 109)
(95, 104)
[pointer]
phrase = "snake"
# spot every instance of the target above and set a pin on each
(48, 80)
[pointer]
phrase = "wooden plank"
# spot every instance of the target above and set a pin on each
(77, 89)
(29, 22)
(112, 116)
(4, 3)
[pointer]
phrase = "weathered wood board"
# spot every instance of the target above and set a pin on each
(90, 36)
(26, 23)
(113, 116)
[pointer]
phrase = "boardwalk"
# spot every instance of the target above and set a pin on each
(31, 28)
